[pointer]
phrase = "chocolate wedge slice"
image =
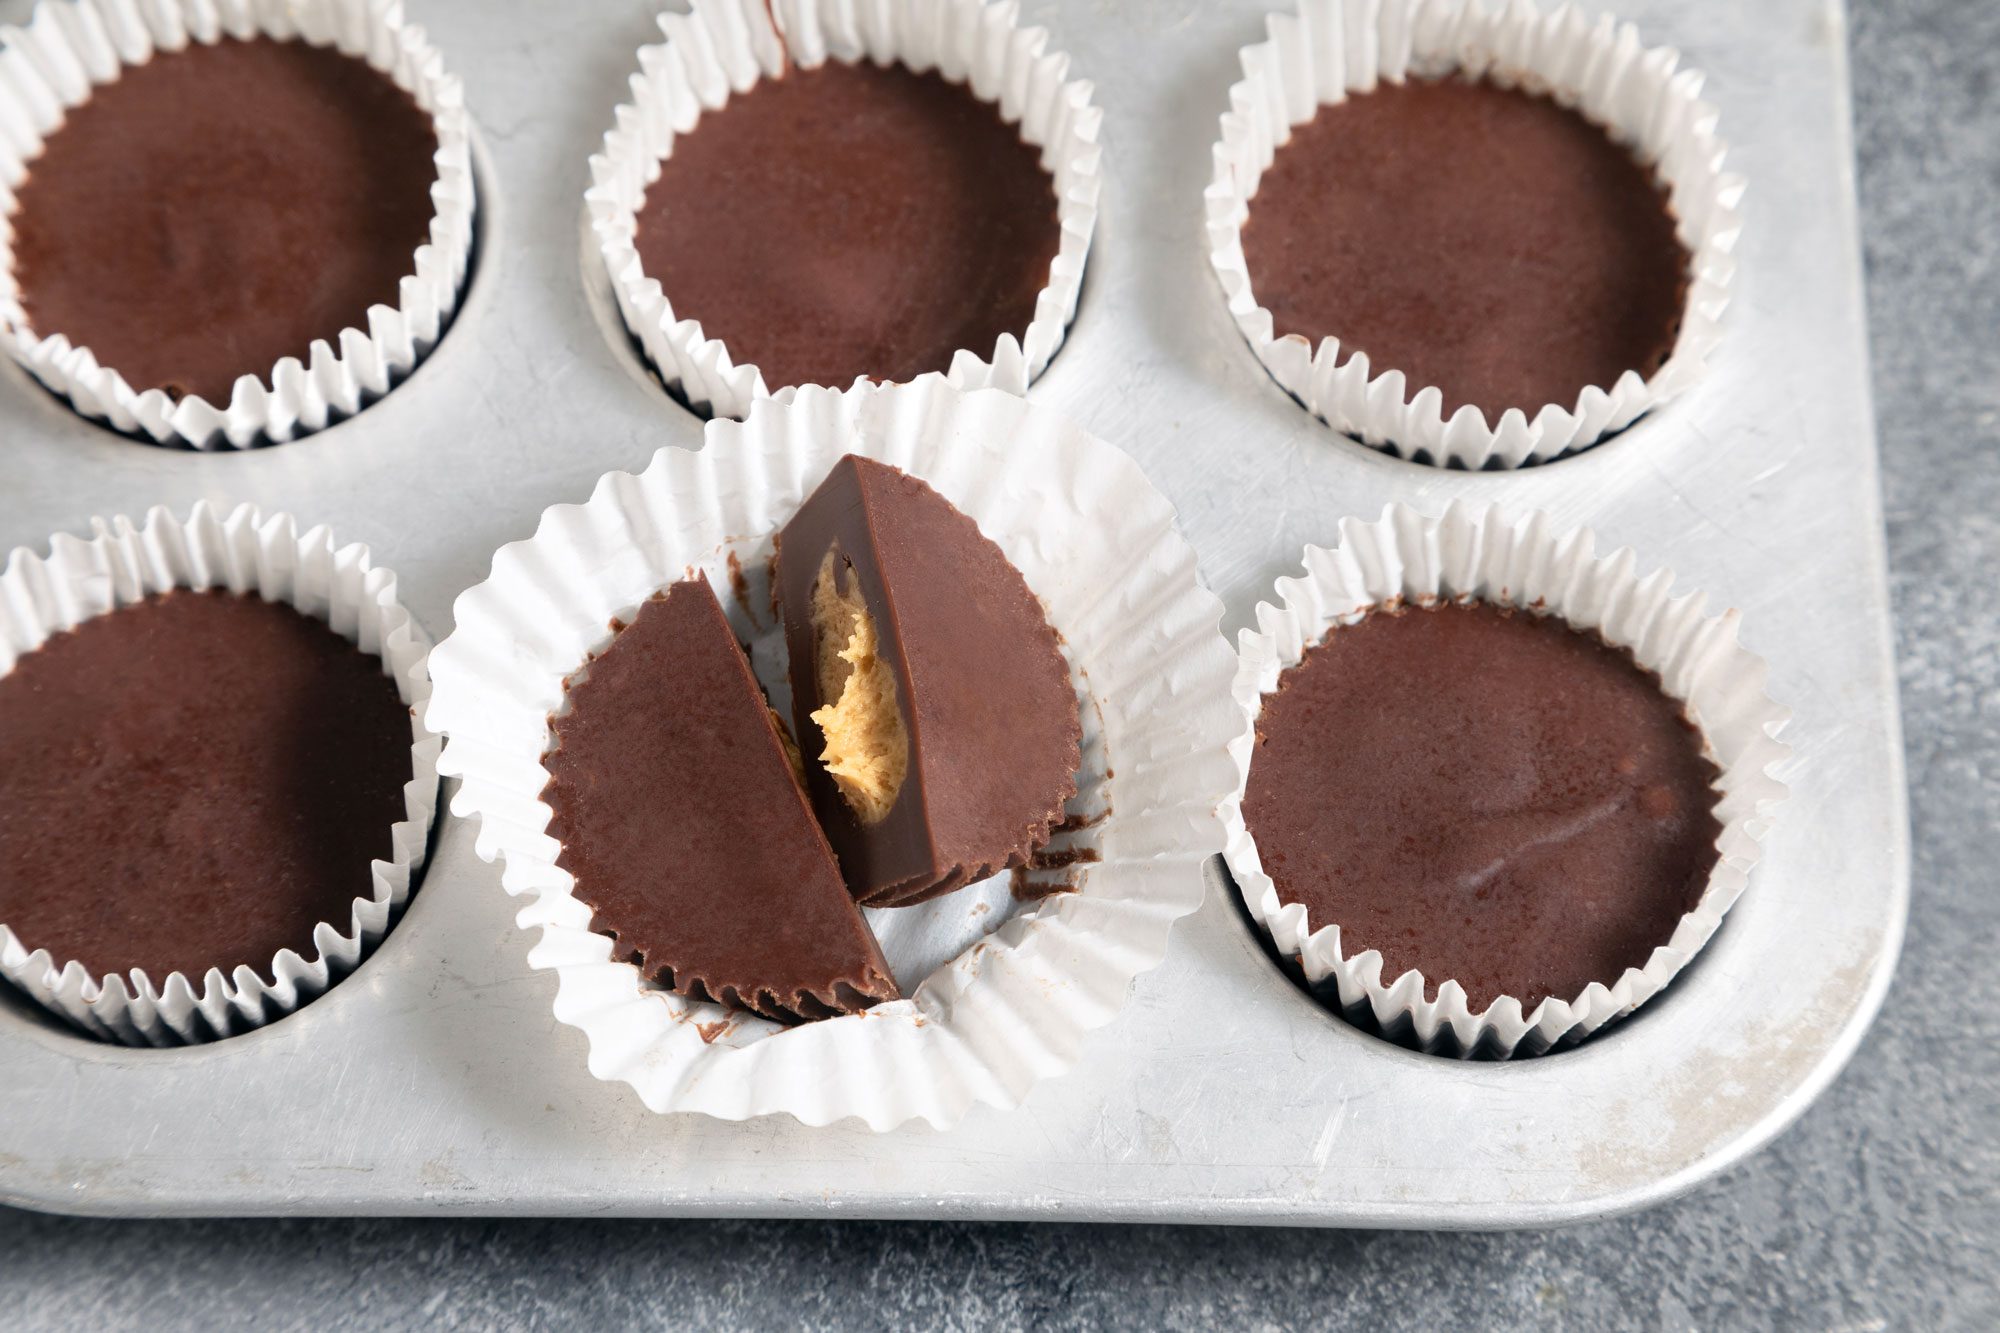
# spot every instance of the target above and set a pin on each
(678, 806)
(927, 683)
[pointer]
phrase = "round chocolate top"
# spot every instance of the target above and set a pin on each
(219, 208)
(194, 781)
(1480, 240)
(851, 220)
(1486, 795)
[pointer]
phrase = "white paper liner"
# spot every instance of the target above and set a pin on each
(1328, 49)
(246, 551)
(1488, 555)
(69, 46)
(993, 1008)
(726, 46)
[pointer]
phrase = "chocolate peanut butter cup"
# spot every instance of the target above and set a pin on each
(1529, 839)
(1496, 790)
(1477, 238)
(1131, 704)
(852, 222)
(212, 801)
(677, 801)
(212, 816)
(927, 682)
(853, 212)
(1480, 239)
(238, 238)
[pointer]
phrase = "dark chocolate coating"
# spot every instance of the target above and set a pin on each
(687, 833)
(851, 220)
(219, 208)
(1480, 240)
(194, 781)
(983, 687)
(1486, 795)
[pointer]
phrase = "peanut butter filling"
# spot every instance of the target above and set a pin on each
(867, 746)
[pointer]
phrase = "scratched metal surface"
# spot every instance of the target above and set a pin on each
(436, 1080)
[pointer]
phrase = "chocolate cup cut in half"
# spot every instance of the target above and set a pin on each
(220, 208)
(920, 653)
(677, 802)
(1485, 795)
(1479, 239)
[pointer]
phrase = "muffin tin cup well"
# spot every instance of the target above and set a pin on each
(246, 551)
(70, 46)
(1329, 49)
(1003, 983)
(1488, 555)
(726, 46)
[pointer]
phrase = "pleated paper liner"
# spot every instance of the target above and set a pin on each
(724, 47)
(1327, 50)
(1488, 555)
(68, 47)
(1004, 979)
(245, 551)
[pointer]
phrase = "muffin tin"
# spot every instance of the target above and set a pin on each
(436, 1078)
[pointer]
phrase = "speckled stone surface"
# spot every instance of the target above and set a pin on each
(1879, 1210)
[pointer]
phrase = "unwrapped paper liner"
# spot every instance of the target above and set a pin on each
(1329, 49)
(246, 552)
(1489, 556)
(727, 46)
(69, 46)
(1095, 542)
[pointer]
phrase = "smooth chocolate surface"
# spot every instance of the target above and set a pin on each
(985, 691)
(851, 220)
(687, 833)
(1480, 240)
(1486, 795)
(194, 781)
(219, 208)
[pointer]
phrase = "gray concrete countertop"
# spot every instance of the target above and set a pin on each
(1880, 1209)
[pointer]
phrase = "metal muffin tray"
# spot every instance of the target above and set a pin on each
(435, 1079)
